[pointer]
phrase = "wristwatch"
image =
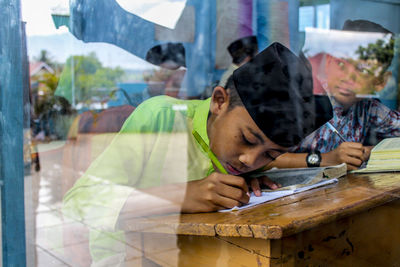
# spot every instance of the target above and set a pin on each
(313, 159)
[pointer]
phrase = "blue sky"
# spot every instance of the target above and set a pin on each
(42, 34)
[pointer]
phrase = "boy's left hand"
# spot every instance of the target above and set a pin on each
(256, 183)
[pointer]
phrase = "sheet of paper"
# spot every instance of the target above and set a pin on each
(268, 196)
(322, 183)
(387, 144)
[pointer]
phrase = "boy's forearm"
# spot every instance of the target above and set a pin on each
(214, 192)
(297, 160)
(289, 160)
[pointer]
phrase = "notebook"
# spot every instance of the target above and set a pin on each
(293, 181)
(385, 157)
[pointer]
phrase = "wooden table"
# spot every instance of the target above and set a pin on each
(355, 222)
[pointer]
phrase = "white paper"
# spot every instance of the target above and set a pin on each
(268, 196)
(163, 12)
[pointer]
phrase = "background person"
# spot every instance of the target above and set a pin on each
(361, 121)
(171, 57)
(241, 51)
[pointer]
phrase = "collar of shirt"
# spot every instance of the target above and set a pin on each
(200, 125)
(337, 107)
(200, 119)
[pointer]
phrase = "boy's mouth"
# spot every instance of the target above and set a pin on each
(232, 170)
(344, 91)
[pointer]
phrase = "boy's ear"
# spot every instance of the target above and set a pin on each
(219, 100)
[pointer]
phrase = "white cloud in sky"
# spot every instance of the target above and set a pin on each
(162, 12)
(37, 15)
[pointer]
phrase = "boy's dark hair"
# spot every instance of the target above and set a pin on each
(276, 89)
(162, 53)
(234, 98)
(242, 48)
(364, 26)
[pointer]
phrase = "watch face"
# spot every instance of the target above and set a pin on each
(313, 158)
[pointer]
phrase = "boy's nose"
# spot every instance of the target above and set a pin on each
(249, 158)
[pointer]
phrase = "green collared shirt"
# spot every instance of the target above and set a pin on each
(154, 147)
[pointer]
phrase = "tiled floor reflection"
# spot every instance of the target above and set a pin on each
(53, 240)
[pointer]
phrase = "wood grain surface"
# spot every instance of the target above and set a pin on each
(280, 218)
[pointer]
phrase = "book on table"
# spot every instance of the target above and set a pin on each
(385, 157)
(294, 180)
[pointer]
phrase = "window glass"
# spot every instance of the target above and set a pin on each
(306, 17)
(323, 17)
(152, 124)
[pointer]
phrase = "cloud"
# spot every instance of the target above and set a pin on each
(37, 15)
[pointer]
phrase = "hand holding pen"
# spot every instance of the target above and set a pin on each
(219, 190)
(351, 153)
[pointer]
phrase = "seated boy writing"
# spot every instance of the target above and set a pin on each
(156, 166)
(358, 120)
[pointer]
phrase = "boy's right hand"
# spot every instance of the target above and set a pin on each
(351, 153)
(216, 191)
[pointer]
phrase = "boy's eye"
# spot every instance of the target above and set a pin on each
(269, 156)
(246, 141)
(273, 154)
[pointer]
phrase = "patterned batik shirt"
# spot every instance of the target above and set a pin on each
(367, 122)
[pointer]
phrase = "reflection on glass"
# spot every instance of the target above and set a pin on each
(346, 64)
(115, 97)
(352, 68)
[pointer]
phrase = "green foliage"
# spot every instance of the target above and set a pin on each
(50, 80)
(88, 77)
(380, 50)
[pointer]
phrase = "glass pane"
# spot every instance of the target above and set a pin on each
(323, 16)
(154, 133)
(306, 17)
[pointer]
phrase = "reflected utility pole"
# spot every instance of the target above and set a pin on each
(73, 81)
(13, 245)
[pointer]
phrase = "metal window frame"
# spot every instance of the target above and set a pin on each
(11, 134)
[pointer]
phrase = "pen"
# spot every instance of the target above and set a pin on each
(363, 164)
(210, 154)
(336, 131)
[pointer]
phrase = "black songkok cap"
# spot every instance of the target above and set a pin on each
(276, 89)
(363, 26)
(162, 53)
(243, 47)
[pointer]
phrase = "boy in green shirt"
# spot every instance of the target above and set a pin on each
(156, 166)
